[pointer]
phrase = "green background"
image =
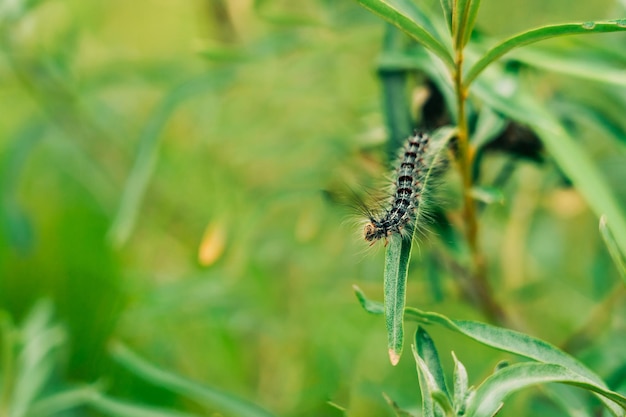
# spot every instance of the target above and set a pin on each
(132, 132)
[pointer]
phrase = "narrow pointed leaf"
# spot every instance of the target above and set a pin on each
(147, 154)
(539, 34)
(446, 6)
(490, 395)
(505, 340)
(426, 350)
(472, 13)
(458, 13)
(386, 10)
(513, 342)
(398, 255)
(396, 269)
(488, 127)
(116, 408)
(460, 386)
(614, 251)
(210, 397)
(63, 401)
(567, 153)
(427, 386)
(573, 64)
(569, 400)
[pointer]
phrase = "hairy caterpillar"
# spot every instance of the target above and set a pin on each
(410, 171)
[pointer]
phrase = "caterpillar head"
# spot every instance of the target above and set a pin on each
(373, 231)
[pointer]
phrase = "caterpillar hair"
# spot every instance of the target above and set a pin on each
(411, 168)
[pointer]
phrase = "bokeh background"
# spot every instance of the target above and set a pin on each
(168, 180)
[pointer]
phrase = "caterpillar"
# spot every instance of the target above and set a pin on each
(410, 170)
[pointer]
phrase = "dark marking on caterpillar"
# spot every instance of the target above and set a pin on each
(410, 171)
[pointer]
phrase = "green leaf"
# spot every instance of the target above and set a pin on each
(446, 6)
(569, 400)
(458, 21)
(117, 408)
(427, 387)
(398, 255)
(63, 401)
(611, 245)
(472, 13)
(567, 153)
(488, 127)
(426, 350)
(424, 18)
(397, 259)
(460, 386)
(539, 34)
(487, 195)
(463, 18)
(574, 65)
(511, 341)
(388, 11)
(490, 395)
(147, 154)
(439, 145)
(210, 397)
(503, 339)
(36, 359)
(506, 340)
(372, 307)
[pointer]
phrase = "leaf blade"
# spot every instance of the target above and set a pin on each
(612, 247)
(205, 395)
(568, 154)
(428, 352)
(490, 395)
(398, 255)
(401, 20)
(539, 34)
(396, 271)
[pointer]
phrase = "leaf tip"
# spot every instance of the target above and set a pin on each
(394, 357)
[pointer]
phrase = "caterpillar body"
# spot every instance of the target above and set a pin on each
(410, 170)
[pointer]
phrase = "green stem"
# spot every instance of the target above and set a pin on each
(465, 157)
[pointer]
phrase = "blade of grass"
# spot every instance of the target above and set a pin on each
(539, 34)
(63, 401)
(387, 11)
(147, 154)
(205, 395)
(446, 6)
(614, 251)
(117, 408)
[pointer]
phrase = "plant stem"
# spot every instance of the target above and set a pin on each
(465, 159)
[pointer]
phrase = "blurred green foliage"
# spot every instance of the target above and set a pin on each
(167, 174)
